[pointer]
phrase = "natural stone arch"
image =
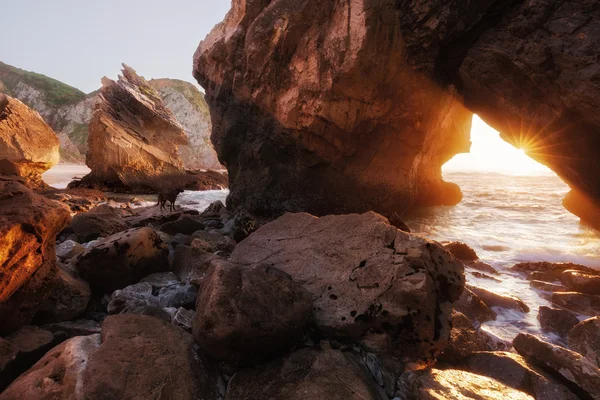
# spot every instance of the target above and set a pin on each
(333, 106)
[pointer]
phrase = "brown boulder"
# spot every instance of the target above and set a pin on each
(579, 303)
(142, 357)
(133, 138)
(28, 146)
(191, 264)
(123, 259)
(557, 320)
(185, 224)
(100, 221)
(370, 281)
(464, 340)
(581, 282)
(492, 299)
(552, 271)
(584, 338)
(513, 370)
(307, 375)
(29, 224)
(454, 384)
(548, 287)
(462, 251)
(246, 315)
(58, 375)
(473, 307)
(582, 374)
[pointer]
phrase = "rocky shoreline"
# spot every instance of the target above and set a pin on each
(344, 306)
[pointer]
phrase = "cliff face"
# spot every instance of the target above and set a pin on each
(188, 106)
(328, 106)
(69, 112)
(28, 146)
(133, 136)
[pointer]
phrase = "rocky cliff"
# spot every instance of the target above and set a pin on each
(365, 100)
(133, 136)
(188, 106)
(28, 146)
(69, 112)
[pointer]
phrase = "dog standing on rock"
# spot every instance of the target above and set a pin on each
(170, 196)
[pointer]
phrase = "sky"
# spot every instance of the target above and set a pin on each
(489, 153)
(80, 41)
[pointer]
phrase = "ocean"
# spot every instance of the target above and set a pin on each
(506, 218)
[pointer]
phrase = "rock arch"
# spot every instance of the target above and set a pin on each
(334, 106)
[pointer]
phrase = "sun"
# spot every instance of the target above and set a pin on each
(489, 153)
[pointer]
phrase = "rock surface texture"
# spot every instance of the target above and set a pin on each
(365, 100)
(369, 281)
(29, 224)
(28, 146)
(133, 136)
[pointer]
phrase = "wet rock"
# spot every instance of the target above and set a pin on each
(579, 303)
(307, 375)
(80, 327)
(557, 320)
(100, 221)
(185, 224)
(462, 251)
(492, 299)
(131, 297)
(240, 226)
(464, 340)
(582, 374)
(481, 266)
(134, 362)
(67, 300)
(495, 338)
(246, 315)
(548, 287)
(179, 295)
(68, 249)
(190, 264)
(473, 307)
(514, 371)
(454, 384)
(215, 241)
(28, 146)
(544, 276)
(365, 276)
(123, 259)
(550, 269)
(29, 224)
(584, 338)
(581, 282)
(153, 215)
(58, 375)
(484, 276)
(8, 356)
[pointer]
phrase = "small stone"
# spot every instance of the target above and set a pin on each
(68, 249)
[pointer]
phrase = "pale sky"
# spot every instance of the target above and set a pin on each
(489, 153)
(80, 41)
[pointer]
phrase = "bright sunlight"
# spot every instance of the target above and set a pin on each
(489, 153)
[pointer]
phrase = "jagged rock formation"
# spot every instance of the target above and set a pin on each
(133, 136)
(69, 112)
(28, 146)
(363, 100)
(188, 106)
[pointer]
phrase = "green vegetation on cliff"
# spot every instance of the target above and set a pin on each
(55, 92)
(189, 91)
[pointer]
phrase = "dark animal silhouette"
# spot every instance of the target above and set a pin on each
(170, 196)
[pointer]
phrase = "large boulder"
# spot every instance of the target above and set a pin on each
(142, 357)
(58, 375)
(473, 307)
(369, 281)
(582, 374)
(28, 146)
(246, 315)
(464, 340)
(493, 299)
(453, 384)
(307, 375)
(578, 281)
(133, 138)
(513, 370)
(579, 303)
(123, 259)
(364, 100)
(584, 338)
(29, 224)
(557, 320)
(100, 221)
